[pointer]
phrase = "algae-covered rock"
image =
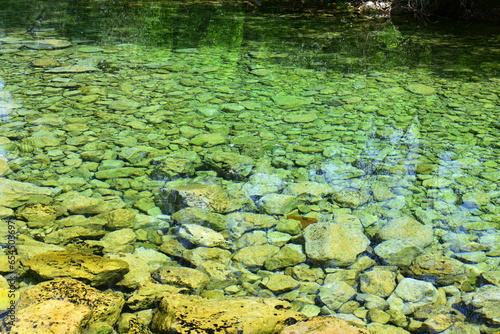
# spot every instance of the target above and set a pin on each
(408, 229)
(188, 314)
(176, 165)
(334, 244)
(411, 294)
(103, 306)
(486, 300)
(441, 270)
(232, 166)
(183, 277)
(93, 269)
(324, 325)
(177, 195)
(15, 193)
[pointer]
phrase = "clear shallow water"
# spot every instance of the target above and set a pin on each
(413, 109)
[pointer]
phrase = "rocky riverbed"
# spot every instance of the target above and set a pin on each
(148, 188)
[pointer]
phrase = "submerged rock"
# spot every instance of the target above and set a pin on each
(93, 269)
(324, 325)
(486, 300)
(48, 298)
(188, 314)
(15, 193)
(334, 244)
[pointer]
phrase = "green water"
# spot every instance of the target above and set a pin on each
(399, 119)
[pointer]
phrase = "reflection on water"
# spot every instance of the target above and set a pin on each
(346, 165)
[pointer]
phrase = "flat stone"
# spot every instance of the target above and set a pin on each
(420, 89)
(15, 193)
(183, 277)
(409, 229)
(95, 270)
(52, 316)
(72, 69)
(45, 62)
(192, 314)
(334, 244)
(279, 283)
(48, 44)
(290, 101)
(324, 325)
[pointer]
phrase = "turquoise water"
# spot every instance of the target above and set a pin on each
(348, 120)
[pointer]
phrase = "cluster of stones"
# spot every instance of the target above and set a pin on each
(181, 189)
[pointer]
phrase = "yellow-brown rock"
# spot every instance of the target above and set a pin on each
(51, 316)
(192, 314)
(324, 325)
(92, 269)
(103, 306)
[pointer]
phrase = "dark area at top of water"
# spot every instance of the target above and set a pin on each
(315, 38)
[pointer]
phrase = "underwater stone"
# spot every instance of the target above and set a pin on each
(119, 218)
(300, 117)
(261, 184)
(241, 222)
(408, 229)
(202, 236)
(209, 139)
(335, 294)
(255, 256)
(397, 252)
(439, 269)
(105, 306)
(181, 194)
(182, 277)
(277, 204)
(486, 300)
(378, 282)
(48, 44)
(200, 217)
(176, 165)
(232, 166)
(15, 193)
(334, 244)
(200, 255)
(324, 325)
(334, 172)
(411, 294)
(187, 314)
(52, 316)
(420, 89)
(93, 269)
(124, 104)
(289, 101)
(287, 256)
(279, 283)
